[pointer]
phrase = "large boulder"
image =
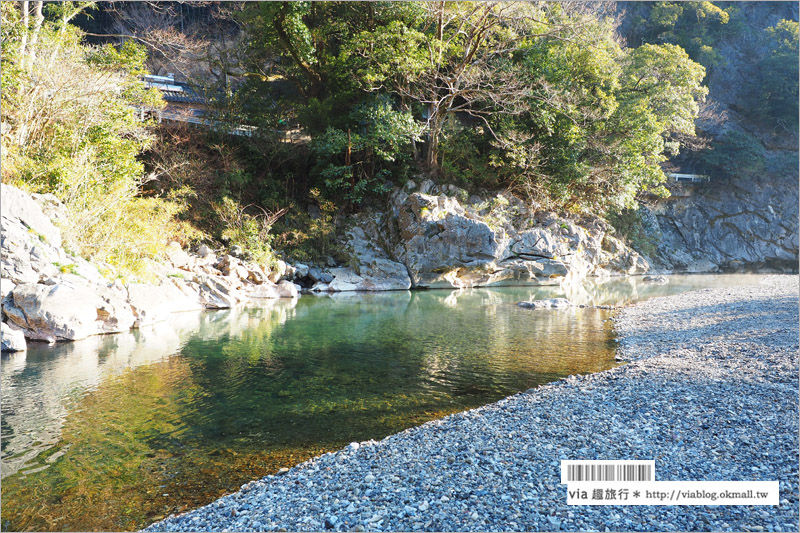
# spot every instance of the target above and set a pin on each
(372, 269)
(67, 312)
(217, 292)
(438, 242)
(316, 275)
(269, 290)
(287, 289)
(151, 303)
(13, 340)
(20, 205)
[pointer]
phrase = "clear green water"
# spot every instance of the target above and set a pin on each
(115, 432)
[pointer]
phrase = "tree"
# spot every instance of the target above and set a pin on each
(779, 85)
(460, 58)
(697, 27)
(72, 128)
(539, 95)
(600, 121)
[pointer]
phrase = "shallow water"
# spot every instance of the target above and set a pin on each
(115, 432)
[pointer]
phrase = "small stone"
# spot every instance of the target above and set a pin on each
(424, 506)
(369, 478)
(359, 528)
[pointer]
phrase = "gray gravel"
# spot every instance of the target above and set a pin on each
(710, 393)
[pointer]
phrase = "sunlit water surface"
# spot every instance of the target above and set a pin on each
(118, 431)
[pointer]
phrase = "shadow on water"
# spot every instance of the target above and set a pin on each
(116, 432)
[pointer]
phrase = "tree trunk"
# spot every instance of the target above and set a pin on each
(25, 27)
(38, 19)
(432, 154)
(317, 86)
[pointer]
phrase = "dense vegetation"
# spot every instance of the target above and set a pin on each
(540, 98)
(70, 127)
(537, 97)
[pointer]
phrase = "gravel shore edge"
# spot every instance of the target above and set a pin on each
(710, 392)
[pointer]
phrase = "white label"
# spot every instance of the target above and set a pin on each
(674, 493)
(623, 470)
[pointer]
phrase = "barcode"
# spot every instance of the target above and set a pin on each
(574, 471)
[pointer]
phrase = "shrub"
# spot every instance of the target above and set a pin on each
(250, 231)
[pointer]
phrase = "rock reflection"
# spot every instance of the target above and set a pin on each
(40, 386)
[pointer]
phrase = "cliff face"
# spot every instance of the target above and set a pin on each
(741, 219)
(742, 224)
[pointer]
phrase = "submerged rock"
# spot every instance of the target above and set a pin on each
(551, 303)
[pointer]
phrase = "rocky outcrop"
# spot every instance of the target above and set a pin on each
(435, 237)
(67, 312)
(729, 225)
(50, 295)
(445, 241)
(372, 269)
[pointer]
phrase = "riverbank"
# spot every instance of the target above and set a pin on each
(710, 394)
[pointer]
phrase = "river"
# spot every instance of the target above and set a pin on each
(118, 431)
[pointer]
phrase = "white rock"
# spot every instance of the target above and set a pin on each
(13, 340)
(61, 312)
(19, 204)
(263, 291)
(155, 303)
(286, 289)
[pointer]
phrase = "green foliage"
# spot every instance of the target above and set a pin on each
(251, 232)
(537, 96)
(69, 268)
(779, 83)
(357, 162)
(307, 238)
(73, 130)
(598, 140)
(697, 27)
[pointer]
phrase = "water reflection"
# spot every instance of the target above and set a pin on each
(41, 385)
(114, 432)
